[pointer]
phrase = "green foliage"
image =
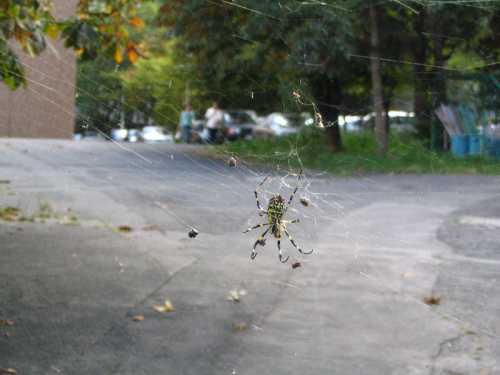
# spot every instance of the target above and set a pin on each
(160, 85)
(309, 149)
(99, 95)
(99, 27)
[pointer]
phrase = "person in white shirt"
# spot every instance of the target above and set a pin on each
(215, 118)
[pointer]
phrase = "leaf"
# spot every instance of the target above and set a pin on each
(166, 307)
(7, 371)
(52, 30)
(432, 300)
(124, 229)
(118, 55)
(138, 318)
(7, 322)
(132, 55)
(240, 327)
(233, 296)
(79, 51)
(136, 22)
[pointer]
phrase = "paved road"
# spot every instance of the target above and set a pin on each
(72, 282)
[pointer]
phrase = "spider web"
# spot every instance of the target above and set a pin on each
(338, 220)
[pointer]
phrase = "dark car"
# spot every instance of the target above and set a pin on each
(238, 125)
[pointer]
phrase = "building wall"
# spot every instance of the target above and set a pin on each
(46, 107)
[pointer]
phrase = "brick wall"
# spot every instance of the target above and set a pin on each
(46, 108)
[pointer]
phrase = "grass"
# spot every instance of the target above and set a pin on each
(9, 213)
(309, 149)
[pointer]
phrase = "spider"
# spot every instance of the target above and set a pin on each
(276, 210)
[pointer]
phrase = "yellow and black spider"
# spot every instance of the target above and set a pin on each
(276, 210)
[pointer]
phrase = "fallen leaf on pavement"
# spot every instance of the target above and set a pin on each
(304, 202)
(240, 327)
(138, 318)
(432, 300)
(7, 371)
(10, 213)
(124, 229)
(235, 295)
(232, 161)
(6, 322)
(166, 307)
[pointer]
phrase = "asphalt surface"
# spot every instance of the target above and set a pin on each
(71, 282)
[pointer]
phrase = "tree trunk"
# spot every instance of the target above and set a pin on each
(377, 91)
(328, 97)
(421, 100)
(439, 139)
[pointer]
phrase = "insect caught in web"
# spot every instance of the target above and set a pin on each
(277, 225)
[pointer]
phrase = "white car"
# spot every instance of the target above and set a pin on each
(155, 134)
(119, 134)
(281, 124)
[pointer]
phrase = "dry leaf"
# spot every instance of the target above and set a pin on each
(240, 327)
(432, 300)
(232, 162)
(136, 22)
(52, 31)
(233, 296)
(304, 201)
(132, 55)
(6, 322)
(118, 55)
(7, 371)
(79, 51)
(138, 318)
(166, 307)
(124, 229)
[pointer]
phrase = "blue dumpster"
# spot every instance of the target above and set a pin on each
(474, 144)
(494, 147)
(460, 145)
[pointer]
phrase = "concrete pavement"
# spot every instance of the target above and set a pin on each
(382, 245)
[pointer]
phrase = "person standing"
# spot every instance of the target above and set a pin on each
(186, 123)
(215, 117)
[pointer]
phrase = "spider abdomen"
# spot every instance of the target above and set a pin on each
(275, 212)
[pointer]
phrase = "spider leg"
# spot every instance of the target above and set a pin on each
(256, 192)
(255, 227)
(260, 241)
(280, 254)
(293, 194)
(295, 245)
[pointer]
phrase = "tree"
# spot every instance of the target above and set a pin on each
(99, 26)
(438, 31)
(274, 49)
(381, 131)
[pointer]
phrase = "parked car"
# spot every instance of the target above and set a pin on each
(155, 134)
(119, 134)
(134, 135)
(399, 122)
(238, 125)
(280, 124)
(351, 123)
